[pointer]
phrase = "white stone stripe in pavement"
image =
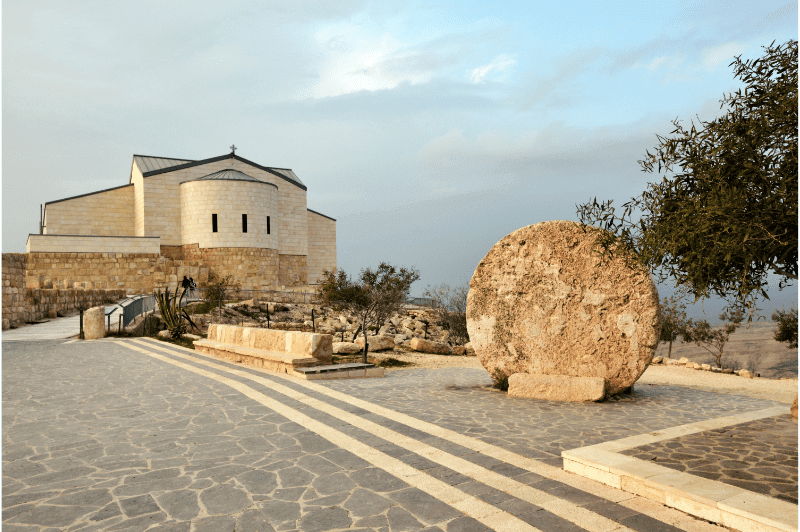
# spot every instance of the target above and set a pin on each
(479, 510)
(673, 517)
(578, 515)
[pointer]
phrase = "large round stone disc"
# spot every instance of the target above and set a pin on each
(540, 303)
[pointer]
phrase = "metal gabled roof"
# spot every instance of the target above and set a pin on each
(288, 173)
(148, 164)
(283, 173)
(229, 174)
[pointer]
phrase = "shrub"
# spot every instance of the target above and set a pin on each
(174, 317)
(500, 380)
(450, 308)
(392, 362)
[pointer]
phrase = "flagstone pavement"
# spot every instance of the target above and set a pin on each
(136, 434)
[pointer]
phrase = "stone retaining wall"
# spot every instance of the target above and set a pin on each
(38, 285)
(23, 304)
(135, 272)
(49, 303)
(13, 289)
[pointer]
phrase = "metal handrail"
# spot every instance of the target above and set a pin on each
(135, 306)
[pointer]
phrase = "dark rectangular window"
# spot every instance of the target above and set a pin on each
(244, 223)
(214, 223)
(267, 224)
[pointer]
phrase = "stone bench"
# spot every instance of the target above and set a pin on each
(281, 351)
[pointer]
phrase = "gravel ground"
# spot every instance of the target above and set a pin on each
(783, 390)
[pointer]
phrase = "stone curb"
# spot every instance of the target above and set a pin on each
(683, 362)
(714, 501)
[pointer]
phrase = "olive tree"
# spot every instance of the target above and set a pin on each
(787, 327)
(372, 296)
(727, 216)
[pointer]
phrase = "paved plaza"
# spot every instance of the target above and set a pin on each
(136, 434)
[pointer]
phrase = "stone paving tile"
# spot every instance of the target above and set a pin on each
(109, 439)
(759, 456)
(463, 400)
(103, 438)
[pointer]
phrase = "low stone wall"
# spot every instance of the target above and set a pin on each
(135, 272)
(55, 275)
(14, 307)
(48, 303)
(23, 304)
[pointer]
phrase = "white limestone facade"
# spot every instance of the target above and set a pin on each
(92, 244)
(321, 245)
(241, 208)
(191, 206)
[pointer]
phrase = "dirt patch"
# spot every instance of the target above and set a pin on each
(752, 348)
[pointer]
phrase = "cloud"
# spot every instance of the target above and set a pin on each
(501, 63)
(657, 50)
(537, 88)
(713, 56)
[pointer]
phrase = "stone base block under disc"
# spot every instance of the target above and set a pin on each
(556, 387)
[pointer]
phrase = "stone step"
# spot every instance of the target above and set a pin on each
(352, 370)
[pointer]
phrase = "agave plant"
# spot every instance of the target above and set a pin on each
(172, 314)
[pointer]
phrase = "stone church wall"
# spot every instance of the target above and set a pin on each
(161, 202)
(253, 269)
(293, 270)
(229, 200)
(92, 244)
(138, 201)
(321, 245)
(292, 220)
(108, 212)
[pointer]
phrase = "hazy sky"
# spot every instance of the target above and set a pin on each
(429, 130)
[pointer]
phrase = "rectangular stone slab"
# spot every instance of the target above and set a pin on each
(556, 387)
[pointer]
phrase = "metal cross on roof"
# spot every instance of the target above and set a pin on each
(233, 149)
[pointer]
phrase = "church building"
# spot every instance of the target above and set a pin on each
(227, 214)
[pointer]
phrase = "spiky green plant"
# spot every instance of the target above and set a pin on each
(173, 315)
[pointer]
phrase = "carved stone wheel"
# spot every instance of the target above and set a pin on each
(540, 303)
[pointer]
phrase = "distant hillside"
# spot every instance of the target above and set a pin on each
(752, 347)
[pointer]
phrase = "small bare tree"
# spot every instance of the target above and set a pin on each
(373, 295)
(218, 288)
(450, 307)
(673, 321)
(714, 340)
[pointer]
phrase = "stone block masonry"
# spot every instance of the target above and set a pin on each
(252, 268)
(14, 306)
(321, 245)
(37, 285)
(136, 273)
(293, 270)
(22, 304)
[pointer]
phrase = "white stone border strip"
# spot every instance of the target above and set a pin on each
(708, 499)
(647, 507)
